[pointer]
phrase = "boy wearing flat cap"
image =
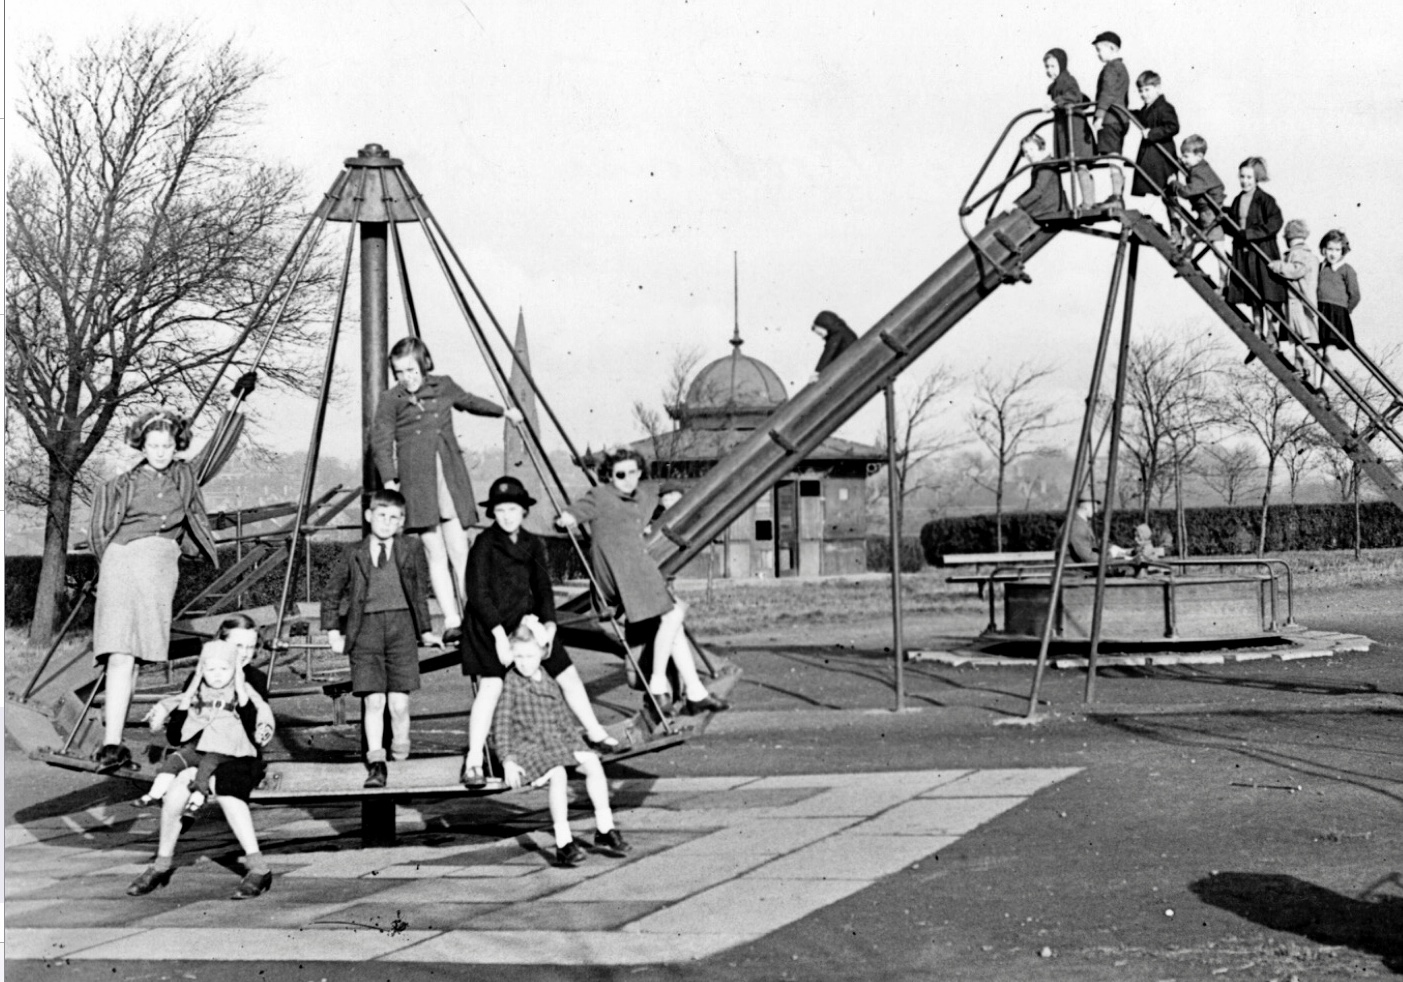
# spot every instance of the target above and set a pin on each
(1083, 545)
(1112, 105)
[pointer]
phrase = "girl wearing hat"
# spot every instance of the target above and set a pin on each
(618, 511)
(508, 586)
(142, 521)
(837, 338)
(417, 455)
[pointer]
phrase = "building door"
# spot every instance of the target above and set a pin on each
(787, 528)
(810, 527)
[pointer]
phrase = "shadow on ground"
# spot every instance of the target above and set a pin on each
(1285, 903)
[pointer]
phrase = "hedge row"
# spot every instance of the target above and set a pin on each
(879, 554)
(1212, 531)
(22, 578)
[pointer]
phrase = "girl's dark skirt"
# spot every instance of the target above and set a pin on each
(1336, 327)
(135, 590)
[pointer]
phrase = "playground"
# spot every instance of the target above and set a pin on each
(1090, 762)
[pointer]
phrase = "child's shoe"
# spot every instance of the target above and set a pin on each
(145, 801)
(194, 803)
(379, 774)
(570, 854)
(612, 843)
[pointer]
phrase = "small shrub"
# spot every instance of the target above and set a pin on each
(879, 555)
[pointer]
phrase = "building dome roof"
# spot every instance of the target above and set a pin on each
(734, 392)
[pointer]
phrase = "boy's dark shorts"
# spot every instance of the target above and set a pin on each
(1111, 137)
(386, 654)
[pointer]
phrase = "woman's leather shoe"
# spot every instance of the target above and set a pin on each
(111, 756)
(711, 704)
(150, 879)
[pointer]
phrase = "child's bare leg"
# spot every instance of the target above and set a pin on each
(489, 690)
(399, 725)
(372, 712)
(664, 645)
(121, 680)
(559, 801)
(597, 786)
(1117, 181)
(1086, 187)
(441, 576)
(159, 787)
(573, 688)
(455, 541)
(686, 662)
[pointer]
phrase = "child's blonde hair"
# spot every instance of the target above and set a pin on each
(1296, 228)
(1259, 168)
(1194, 144)
(523, 636)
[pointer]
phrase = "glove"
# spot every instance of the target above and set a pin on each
(245, 384)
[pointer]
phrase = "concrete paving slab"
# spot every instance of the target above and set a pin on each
(757, 905)
(936, 816)
(19, 887)
(553, 915)
(765, 836)
(379, 916)
(253, 945)
(269, 911)
(461, 890)
(669, 876)
(852, 857)
(1002, 782)
(489, 870)
(566, 948)
(15, 909)
(101, 912)
(51, 943)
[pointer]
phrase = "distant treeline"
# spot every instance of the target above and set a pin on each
(1212, 531)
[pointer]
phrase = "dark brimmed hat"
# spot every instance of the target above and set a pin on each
(1086, 496)
(1111, 36)
(507, 490)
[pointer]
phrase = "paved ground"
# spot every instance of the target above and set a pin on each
(814, 834)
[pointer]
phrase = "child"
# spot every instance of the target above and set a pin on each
(1253, 221)
(1112, 104)
(1203, 192)
(837, 338)
(537, 740)
(413, 443)
(1338, 294)
(1154, 161)
(1302, 266)
(1065, 94)
(212, 731)
(509, 585)
(1044, 195)
(376, 606)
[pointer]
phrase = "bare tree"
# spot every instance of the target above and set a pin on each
(1169, 405)
(917, 443)
(1255, 403)
(1228, 470)
(1296, 456)
(139, 240)
(674, 396)
(1006, 419)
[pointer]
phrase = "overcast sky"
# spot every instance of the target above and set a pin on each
(597, 163)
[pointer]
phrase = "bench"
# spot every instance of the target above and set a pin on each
(977, 559)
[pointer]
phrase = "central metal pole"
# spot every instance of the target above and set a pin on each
(894, 507)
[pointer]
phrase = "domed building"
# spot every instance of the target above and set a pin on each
(813, 522)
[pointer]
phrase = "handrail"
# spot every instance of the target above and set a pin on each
(1377, 418)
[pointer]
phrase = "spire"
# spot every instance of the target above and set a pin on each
(515, 459)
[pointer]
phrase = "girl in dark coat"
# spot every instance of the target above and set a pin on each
(618, 512)
(1254, 220)
(1065, 93)
(142, 520)
(417, 454)
(509, 586)
(837, 338)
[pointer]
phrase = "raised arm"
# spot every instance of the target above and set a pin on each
(469, 403)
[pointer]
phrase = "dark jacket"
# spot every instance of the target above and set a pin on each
(1263, 225)
(1044, 196)
(1113, 89)
(506, 581)
(1064, 91)
(409, 431)
(1156, 155)
(112, 498)
(343, 599)
(1082, 544)
(838, 339)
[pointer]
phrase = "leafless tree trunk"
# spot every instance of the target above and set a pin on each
(139, 241)
(917, 445)
(1006, 418)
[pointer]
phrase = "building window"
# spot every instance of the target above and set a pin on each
(764, 530)
(810, 489)
(842, 494)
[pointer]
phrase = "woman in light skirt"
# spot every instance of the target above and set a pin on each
(142, 521)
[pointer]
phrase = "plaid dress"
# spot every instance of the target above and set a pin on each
(533, 726)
